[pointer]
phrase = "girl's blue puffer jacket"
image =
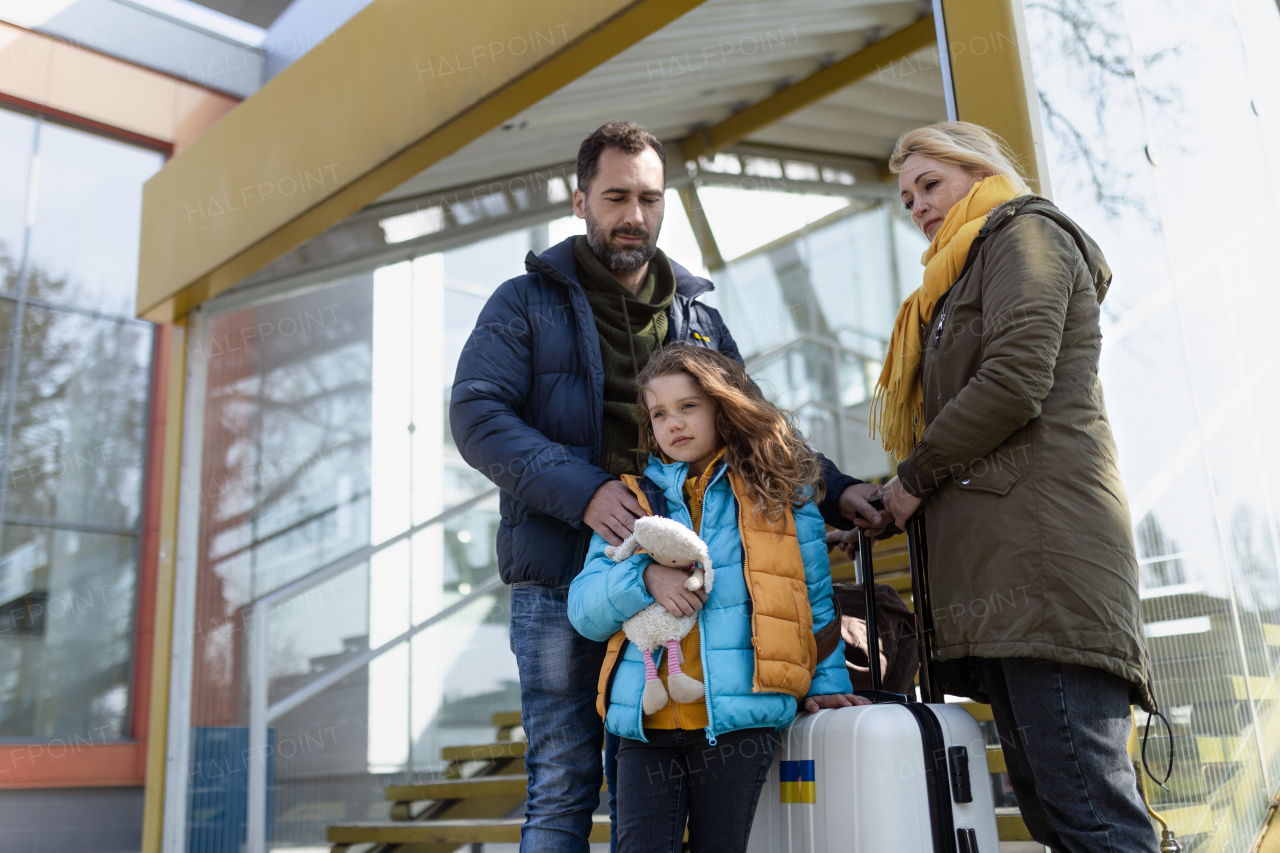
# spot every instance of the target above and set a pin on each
(605, 594)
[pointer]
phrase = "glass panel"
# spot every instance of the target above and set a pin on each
(88, 219)
(326, 430)
(66, 634)
(1142, 107)
(458, 674)
(15, 169)
(746, 218)
(284, 485)
(812, 316)
(79, 428)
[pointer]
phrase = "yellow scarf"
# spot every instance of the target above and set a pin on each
(897, 412)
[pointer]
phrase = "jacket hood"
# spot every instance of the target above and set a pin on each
(559, 259)
(1099, 269)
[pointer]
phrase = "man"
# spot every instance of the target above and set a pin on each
(544, 404)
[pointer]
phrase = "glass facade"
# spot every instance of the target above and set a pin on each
(324, 436)
(330, 514)
(76, 376)
(1156, 114)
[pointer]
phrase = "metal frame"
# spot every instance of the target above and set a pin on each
(158, 713)
(279, 132)
(186, 560)
(994, 87)
(357, 244)
(944, 59)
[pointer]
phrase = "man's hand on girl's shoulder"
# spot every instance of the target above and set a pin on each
(613, 511)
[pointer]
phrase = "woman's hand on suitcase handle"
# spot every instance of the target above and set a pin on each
(846, 541)
(813, 704)
(666, 585)
(899, 503)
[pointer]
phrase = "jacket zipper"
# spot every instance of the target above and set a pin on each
(751, 604)
(597, 444)
(702, 632)
(613, 671)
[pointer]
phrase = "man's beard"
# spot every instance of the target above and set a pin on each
(616, 258)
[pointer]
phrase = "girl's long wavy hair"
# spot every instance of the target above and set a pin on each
(763, 444)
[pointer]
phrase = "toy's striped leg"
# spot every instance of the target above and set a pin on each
(654, 698)
(684, 689)
(673, 658)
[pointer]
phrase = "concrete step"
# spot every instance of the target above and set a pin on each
(458, 789)
(506, 718)
(473, 831)
(1009, 823)
(1010, 826)
(485, 751)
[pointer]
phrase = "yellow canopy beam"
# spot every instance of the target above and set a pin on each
(813, 88)
(396, 89)
(991, 74)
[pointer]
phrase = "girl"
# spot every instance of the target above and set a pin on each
(733, 468)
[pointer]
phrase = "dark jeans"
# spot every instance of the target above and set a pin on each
(676, 776)
(1064, 729)
(559, 669)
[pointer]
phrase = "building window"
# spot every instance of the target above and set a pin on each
(75, 382)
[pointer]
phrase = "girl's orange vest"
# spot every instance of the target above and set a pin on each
(786, 654)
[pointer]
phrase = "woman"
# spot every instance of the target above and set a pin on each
(990, 397)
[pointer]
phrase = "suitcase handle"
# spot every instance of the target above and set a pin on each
(918, 558)
(884, 697)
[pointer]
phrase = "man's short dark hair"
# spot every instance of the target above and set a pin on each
(626, 136)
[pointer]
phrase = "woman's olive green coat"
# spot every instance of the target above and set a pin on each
(1030, 544)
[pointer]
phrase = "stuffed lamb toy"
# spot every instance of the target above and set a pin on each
(669, 543)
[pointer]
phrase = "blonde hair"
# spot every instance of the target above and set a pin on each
(762, 443)
(969, 146)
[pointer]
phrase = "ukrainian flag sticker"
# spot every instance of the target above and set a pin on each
(798, 782)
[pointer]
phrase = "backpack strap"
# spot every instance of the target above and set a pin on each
(828, 638)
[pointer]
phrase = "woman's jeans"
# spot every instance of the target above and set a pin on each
(559, 669)
(1064, 729)
(676, 776)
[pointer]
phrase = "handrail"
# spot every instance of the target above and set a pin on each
(773, 350)
(283, 531)
(360, 555)
(351, 664)
(261, 714)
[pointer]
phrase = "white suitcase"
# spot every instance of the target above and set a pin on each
(895, 777)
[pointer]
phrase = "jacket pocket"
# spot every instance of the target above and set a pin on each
(996, 477)
(808, 647)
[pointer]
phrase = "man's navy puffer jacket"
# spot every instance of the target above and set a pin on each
(528, 404)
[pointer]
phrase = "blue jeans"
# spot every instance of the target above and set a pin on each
(559, 670)
(1064, 729)
(678, 776)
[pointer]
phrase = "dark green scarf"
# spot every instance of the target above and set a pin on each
(631, 326)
